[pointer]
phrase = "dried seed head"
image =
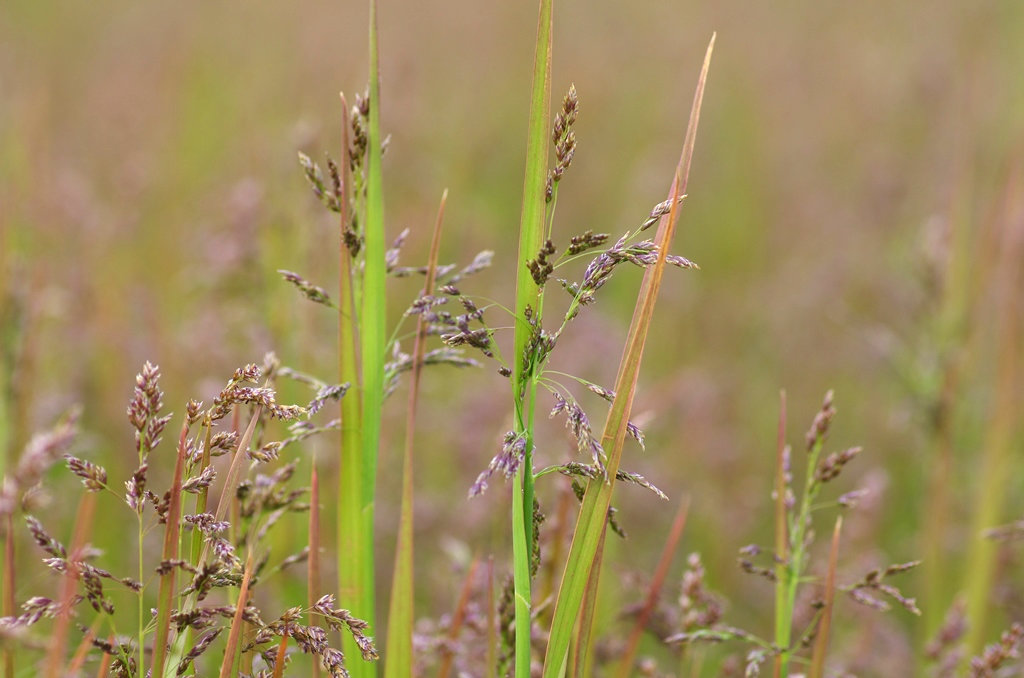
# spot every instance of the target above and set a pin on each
(198, 649)
(851, 499)
(819, 427)
(833, 464)
(93, 477)
(251, 373)
(312, 292)
(193, 411)
(579, 424)
(392, 254)
(998, 654)
(658, 211)
(507, 461)
(201, 482)
(570, 105)
(564, 139)
(585, 241)
(699, 608)
(37, 456)
(953, 629)
(874, 584)
(135, 488)
(541, 267)
(328, 195)
(44, 540)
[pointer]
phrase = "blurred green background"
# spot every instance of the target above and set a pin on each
(149, 190)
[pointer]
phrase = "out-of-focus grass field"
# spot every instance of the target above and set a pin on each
(149, 190)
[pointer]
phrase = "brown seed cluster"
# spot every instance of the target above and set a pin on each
(260, 501)
(564, 139)
(541, 267)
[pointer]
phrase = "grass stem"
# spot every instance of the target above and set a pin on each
(590, 526)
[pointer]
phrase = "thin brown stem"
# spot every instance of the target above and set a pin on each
(170, 553)
(667, 554)
(235, 634)
(61, 627)
(457, 618)
(279, 660)
(821, 642)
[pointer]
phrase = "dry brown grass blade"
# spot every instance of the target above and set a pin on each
(62, 625)
(671, 542)
(235, 635)
(458, 617)
(817, 669)
(313, 572)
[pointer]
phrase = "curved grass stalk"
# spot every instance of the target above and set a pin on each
(400, 613)
(590, 526)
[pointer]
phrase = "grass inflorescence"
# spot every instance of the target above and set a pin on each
(227, 565)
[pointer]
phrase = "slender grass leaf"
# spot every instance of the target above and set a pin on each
(398, 655)
(531, 234)
(590, 525)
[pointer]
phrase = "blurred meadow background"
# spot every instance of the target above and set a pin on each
(856, 205)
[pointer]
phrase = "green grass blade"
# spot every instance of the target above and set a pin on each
(398, 654)
(350, 523)
(373, 337)
(583, 643)
(591, 522)
(372, 326)
(531, 236)
(782, 620)
(996, 465)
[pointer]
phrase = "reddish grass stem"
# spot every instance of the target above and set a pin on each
(170, 553)
(61, 628)
(448, 656)
(235, 634)
(667, 554)
(821, 642)
(279, 660)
